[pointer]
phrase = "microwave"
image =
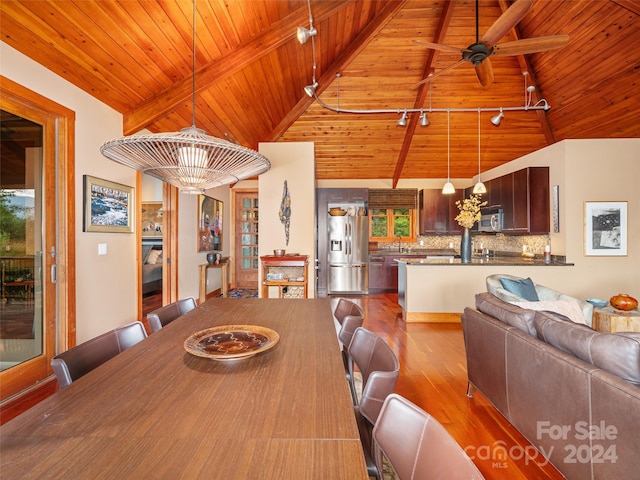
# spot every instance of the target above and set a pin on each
(491, 220)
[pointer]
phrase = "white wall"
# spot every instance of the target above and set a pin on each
(189, 258)
(105, 285)
(295, 163)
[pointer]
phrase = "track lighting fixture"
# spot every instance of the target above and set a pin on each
(497, 118)
(304, 34)
(403, 120)
(311, 89)
(448, 187)
(479, 187)
(424, 121)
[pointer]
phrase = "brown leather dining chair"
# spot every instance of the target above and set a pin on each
(379, 368)
(162, 316)
(79, 360)
(349, 316)
(417, 446)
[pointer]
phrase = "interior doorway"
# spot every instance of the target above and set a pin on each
(246, 257)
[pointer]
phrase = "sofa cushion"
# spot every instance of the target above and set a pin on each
(617, 353)
(568, 308)
(506, 312)
(523, 288)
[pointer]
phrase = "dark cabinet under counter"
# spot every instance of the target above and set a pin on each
(383, 274)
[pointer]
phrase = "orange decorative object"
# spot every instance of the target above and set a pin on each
(624, 302)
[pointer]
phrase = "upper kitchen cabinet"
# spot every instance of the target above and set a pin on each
(531, 200)
(438, 211)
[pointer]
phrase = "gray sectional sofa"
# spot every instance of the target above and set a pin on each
(574, 393)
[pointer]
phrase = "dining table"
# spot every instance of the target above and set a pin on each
(161, 410)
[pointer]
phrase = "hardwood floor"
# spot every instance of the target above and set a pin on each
(433, 375)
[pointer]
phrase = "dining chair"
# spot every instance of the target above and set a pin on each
(72, 364)
(379, 368)
(162, 316)
(349, 316)
(417, 446)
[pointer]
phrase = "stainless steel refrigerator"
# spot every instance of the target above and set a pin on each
(348, 254)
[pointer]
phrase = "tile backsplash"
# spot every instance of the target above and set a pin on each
(495, 242)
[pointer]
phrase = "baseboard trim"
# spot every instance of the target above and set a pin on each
(419, 317)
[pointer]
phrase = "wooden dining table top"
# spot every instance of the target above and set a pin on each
(157, 411)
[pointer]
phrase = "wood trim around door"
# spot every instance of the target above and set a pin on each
(60, 300)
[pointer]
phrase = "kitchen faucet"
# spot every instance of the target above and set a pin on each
(399, 243)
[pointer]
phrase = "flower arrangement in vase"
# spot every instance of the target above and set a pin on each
(469, 214)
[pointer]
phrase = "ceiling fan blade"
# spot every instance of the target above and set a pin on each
(506, 22)
(484, 72)
(530, 45)
(446, 69)
(438, 46)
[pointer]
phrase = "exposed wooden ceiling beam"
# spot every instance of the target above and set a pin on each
(432, 56)
(525, 66)
(281, 32)
(345, 58)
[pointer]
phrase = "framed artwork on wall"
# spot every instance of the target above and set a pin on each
(108, 206)
(151, 220)
(605, 228)
(209, 224)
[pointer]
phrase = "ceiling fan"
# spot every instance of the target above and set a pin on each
(479, 52)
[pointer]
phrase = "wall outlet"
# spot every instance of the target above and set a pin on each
(102, 249)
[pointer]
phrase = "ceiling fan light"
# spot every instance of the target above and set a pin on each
(479, 188)
(310, 90)
(303, 34)
(448, 188)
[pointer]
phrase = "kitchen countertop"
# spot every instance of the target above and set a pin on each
(500, 260)
(447, 256)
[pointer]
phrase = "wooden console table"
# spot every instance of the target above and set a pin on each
(270, 261)
(224, 276)
(610, 320)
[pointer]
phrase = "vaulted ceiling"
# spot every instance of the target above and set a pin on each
(136, 56)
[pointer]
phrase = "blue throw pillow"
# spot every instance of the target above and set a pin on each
(523, 288)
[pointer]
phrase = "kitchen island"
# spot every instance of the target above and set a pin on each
(437, 289)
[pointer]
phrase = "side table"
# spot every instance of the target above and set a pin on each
(609, 319)
(224, 276)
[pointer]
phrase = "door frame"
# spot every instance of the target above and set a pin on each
(60, 301)
(235, 225)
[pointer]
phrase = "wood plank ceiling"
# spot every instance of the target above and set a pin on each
(136, 56)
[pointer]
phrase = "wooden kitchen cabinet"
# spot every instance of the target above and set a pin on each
(438, 211)
(531, 201)
(383, 273)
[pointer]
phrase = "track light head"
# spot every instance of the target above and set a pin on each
(304, 34)
(424, 121)
(403, 120)
(311, 89)
(498, 118)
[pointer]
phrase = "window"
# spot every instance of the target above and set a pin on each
(387, 224)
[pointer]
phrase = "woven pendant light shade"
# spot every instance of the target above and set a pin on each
(190, 159)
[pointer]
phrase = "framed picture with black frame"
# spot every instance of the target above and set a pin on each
(108, 206)
(605, 228)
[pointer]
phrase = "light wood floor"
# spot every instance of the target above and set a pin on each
(433, 375)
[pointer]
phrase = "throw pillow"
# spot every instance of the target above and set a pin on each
(523, 288)
(568, 308)
(152, 257)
